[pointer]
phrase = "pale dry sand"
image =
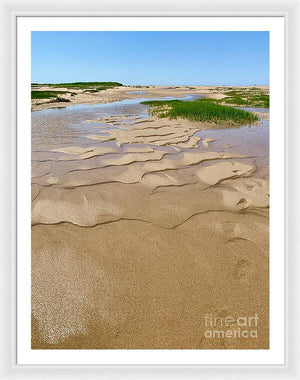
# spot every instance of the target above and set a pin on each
(133, 243)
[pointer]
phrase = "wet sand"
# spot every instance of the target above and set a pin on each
(142, 226)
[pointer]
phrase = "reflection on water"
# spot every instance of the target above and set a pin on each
(254, 109)
(136, 92)
(250, 140)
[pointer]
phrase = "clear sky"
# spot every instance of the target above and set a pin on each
(157, 58)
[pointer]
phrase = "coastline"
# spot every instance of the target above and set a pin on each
(121, 93)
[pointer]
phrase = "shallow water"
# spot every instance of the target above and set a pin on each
(63, 126)
(251, 140)
(136, 92)
(52, 128)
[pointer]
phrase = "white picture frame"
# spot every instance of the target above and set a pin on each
(9, 13)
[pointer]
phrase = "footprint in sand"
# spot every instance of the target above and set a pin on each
(242, 202)
(228, 229)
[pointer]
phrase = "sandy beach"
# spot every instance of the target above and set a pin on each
(141, 226)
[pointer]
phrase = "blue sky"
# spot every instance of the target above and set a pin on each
(165, 58)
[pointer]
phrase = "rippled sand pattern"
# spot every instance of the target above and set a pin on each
(140, 227)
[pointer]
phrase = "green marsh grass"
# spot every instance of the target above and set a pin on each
(200, 110)
(249, 97)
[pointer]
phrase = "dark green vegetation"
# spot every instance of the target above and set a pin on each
(47, 94)
(54, 95)
(98, 86)
(200, 110)
(91, 87)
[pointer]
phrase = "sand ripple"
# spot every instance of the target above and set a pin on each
(139, 232)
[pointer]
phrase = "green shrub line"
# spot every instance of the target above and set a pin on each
(48, 94)
(91, 87)
(200, 110)
(81, 85)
